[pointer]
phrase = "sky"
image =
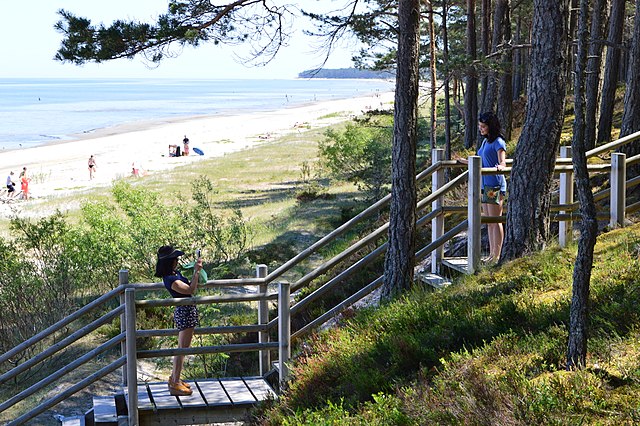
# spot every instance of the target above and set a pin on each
(28, 43)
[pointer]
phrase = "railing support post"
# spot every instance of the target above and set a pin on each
(437, 223)
(565, 227)
(263, 319)
(284, 331)
(123, 278)
(618, 187)
(132, 367)
(473, 214)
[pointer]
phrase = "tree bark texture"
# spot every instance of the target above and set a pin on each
(399, 260)
(471, 81)
(611, 69)
(528, 213)
(447, 82)
(578, 316)
(432, 74)
(631, 114)
(485, 45)
(517, 62)
(500, 26)
(504, 105)
(594, 66)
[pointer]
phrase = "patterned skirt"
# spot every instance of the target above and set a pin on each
(186, 317)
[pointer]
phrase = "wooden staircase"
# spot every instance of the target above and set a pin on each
(212, 401)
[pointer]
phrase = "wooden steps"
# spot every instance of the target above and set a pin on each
(212, 401)
(435, 281)
(459, 264)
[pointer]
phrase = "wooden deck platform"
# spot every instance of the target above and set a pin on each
(213, 400)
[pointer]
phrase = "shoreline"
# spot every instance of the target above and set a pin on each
(60, 167)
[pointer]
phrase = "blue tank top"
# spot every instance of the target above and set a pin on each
(488, 152)
(169, 279)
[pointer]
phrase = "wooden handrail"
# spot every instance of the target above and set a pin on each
(149, 303)
(61, 372)
(68, 392)
(61, 324)
(62, 344)
(204, 330)
(199, 350)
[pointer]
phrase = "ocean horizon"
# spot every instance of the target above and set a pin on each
(40, 111)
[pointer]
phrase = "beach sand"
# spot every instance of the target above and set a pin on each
(61, 168)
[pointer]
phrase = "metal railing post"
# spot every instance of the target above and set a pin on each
(123, 278)
(473, 214)
(565, 227)
(132, 367)
(437, 223)
(284, 330)
(263, 319)
(618, 189)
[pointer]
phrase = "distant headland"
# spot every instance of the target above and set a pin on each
(346, 73)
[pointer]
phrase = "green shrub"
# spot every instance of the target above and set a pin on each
(360, 154)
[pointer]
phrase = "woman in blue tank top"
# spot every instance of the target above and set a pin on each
(493, 153)
(185, 316)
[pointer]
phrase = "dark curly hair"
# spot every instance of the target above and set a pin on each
(491, 120)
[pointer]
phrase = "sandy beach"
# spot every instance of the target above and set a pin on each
(61, 168)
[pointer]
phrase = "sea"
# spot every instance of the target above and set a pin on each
(40, 111)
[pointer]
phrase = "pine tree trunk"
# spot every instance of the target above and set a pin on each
(447, 84)
(517, 62)
(485, 46)
(579, 313)
(471, 80)
(631, 115)
(494, 78)
(528, 213)
(432, 74)
(399, 260)
(504, 106)
(612, 67)
(594, 66)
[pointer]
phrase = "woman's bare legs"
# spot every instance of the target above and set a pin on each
(184, 341)
(494, 230)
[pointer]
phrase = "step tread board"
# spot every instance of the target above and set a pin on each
(144, 400)
(104, 409)
(162, 399)
(73, 421)
(193, 400)
(213, 392)
(260, 388)
(460, 264)
(237, 391)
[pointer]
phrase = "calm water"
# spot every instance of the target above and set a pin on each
(38, 111)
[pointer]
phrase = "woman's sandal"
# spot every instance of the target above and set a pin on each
(178, 389)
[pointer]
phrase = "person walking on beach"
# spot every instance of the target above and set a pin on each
(185, 143)
(24, 183)
(92, 166)
(11, 186)
(185, 317)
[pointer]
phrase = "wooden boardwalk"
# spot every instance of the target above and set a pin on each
(213, 400)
